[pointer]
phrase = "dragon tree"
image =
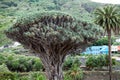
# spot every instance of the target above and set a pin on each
(53, 35)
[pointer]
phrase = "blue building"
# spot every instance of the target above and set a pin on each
(96, 50)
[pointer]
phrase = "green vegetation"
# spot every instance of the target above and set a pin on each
(72, 72)
(7, 76)
(36, 76)
(98, 61)
(70, 61)
(72, 68)
(20, 63)
(4, 68)
(75, 73)
(52, 34)
(108, 18)
(4, 23)
(11, 9)
(103, 41)
(22, 76)
(45, 27)
(116, 43)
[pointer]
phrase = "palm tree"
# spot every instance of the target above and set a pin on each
(108, 17)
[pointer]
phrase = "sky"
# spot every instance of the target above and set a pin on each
(107, 1)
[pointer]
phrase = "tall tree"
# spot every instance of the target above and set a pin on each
(108, 17)
(53, 35)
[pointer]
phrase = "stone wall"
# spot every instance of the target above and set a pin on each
(100, 75)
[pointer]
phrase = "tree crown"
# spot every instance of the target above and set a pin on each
(108, 17)
(42, 30)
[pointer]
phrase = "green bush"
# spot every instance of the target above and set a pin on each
(91, 62)
(21, 76)
(75, 73)
(36, 76)
(2, 60)
(113, 61)
(69, 61)
(4, 68)
(107, 61)
(7, 76)
(98, 61)
(77, 61)
(21, 63)
(4, 23)
(103, 41)
(37, 65)
(116, 43)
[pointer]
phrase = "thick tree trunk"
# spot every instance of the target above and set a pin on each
(110, 59)
(53, 66)
(54, 72)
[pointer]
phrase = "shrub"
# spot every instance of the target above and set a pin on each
(107, 61)
(91, 62)
(77, 61)
(113, 61)
(7, 76)
(2, 60)
(69, 61)
(75, 73)
(116, 43)
(37, 65)
(103, 41)
(98, 61)
(21, 63)
(3, 68)
(36, 76)
(21, 76)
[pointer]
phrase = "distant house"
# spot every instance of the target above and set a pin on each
(96, 50)
(100, 49)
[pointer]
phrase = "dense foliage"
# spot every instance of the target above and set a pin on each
(52, 35)
(103, 41)
(49, 28)
(20, 63)
(10, 9)
(71, 67)
(108, 18)
(4, 68)
(98, 61)
(75, 73)
(70, 61)
(22, 76)
(4, 23)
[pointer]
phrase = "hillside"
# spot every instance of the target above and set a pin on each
(11, 9)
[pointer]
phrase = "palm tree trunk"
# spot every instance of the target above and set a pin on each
(110, 59)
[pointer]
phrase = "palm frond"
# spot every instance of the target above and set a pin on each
(108, 17)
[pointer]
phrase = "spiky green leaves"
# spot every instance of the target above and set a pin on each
(42, 16)
(108, 17)
(49, 28)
